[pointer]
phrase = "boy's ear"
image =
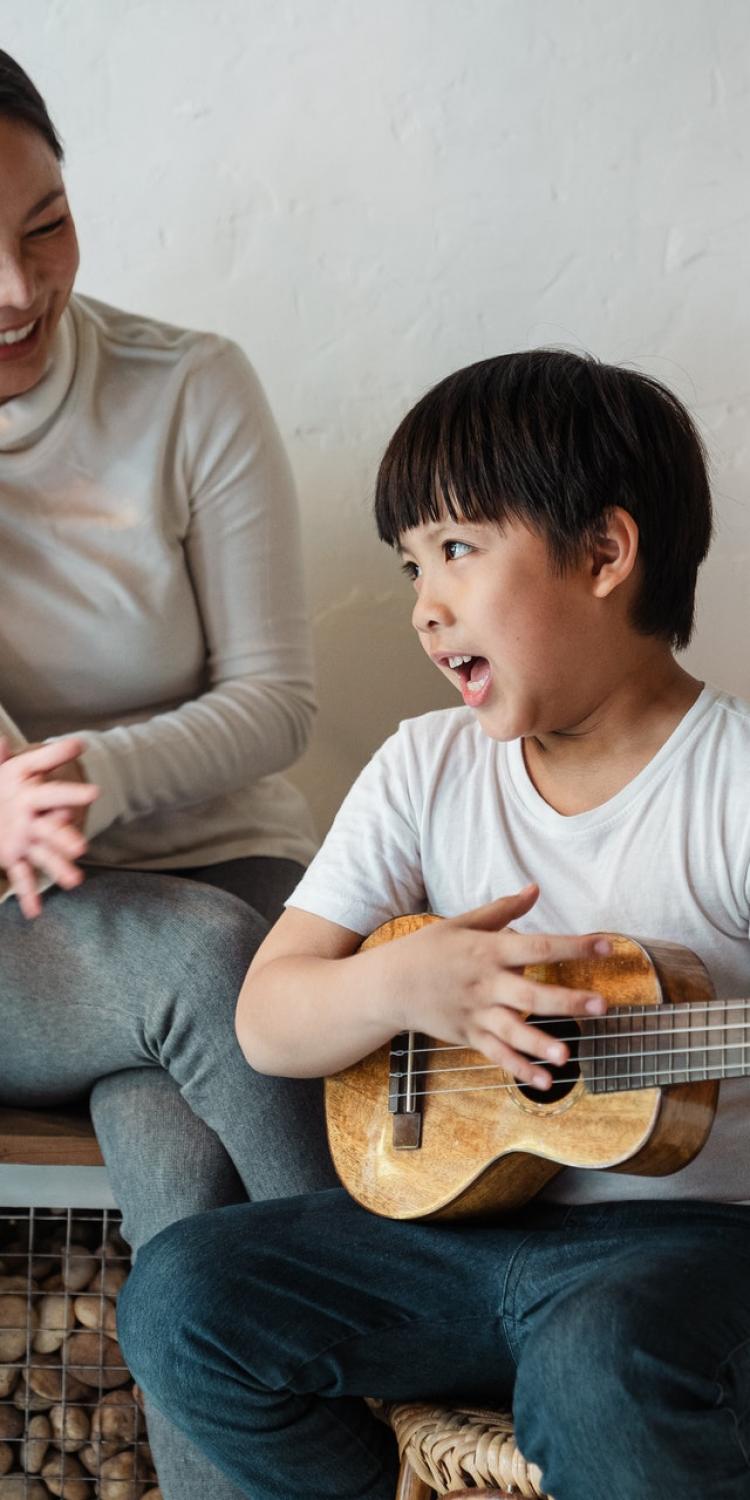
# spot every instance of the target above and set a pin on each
(614, 551)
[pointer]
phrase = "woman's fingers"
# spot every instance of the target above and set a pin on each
(49, 794)
(60, 834)
(23, 884)
(61, 870)
(43, 758)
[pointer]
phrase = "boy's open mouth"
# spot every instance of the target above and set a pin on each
(473, 672)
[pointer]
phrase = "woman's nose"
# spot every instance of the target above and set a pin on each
(16, 283)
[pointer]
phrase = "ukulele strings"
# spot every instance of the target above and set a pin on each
(646, 1057)
(592, 1035)
(594, 1059)
(626, 1013)
(544, 1062)
(559, 1077)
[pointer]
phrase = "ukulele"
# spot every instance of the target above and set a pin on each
(424, 1129)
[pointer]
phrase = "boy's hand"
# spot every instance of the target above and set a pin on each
(37, 817)
(462, 981)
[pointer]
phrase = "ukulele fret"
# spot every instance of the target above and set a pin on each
(668, 1044)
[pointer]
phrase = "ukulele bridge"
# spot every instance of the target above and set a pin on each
(404, 1091)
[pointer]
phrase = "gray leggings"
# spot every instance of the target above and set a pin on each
(126, 988)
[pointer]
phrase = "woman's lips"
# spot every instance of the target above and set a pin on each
(19, 348)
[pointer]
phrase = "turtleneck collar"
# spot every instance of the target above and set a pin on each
(25, 418)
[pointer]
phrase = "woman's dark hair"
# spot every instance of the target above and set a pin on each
(555, 440)
(19, 100)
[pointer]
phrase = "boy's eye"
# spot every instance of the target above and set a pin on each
(410, 569)
(457, 549)
(47, 229)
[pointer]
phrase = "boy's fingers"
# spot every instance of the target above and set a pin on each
(538, 1048)
(497, 914)
(523, 1069)
(531, 998)
(520, 948)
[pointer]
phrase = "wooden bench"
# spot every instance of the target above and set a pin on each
(42, 1137)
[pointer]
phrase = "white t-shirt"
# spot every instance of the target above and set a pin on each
(151, 596)
(445, 819)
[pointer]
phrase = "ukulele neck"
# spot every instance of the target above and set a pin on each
(634, 1048)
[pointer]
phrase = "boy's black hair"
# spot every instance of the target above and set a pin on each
(20, 100)
(555, 440)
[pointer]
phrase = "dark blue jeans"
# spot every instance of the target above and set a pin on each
(620, 1332)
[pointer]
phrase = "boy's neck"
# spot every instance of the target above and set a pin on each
(580, 768)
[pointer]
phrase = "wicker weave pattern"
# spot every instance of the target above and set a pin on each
(452, 1447)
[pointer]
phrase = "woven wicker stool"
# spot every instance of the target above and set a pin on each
(444, 1449)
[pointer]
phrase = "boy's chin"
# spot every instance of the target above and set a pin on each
(499, 725)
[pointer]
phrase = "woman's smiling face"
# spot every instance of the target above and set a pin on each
(38, 255)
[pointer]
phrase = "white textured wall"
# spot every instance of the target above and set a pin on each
(370, 193)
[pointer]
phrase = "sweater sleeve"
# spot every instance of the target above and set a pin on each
(241, 548)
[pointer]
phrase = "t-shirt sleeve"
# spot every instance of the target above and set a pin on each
(369, 868)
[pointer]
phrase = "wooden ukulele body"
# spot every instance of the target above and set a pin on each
(487, 1151)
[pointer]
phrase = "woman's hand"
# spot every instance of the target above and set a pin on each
(462, 980)
(38, 815)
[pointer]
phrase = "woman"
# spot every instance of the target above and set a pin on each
(152, 634)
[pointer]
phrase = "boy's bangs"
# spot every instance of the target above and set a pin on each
(435, 468)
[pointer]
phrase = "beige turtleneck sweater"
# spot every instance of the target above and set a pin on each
(152, 597)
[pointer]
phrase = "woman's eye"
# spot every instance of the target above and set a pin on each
(457, 549)
(47, 229)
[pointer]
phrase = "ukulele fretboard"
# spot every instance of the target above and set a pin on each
(650, 1047)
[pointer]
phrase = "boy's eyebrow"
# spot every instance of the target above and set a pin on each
(436, 528)
(44, 203)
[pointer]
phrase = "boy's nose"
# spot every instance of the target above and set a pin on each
(430, 613)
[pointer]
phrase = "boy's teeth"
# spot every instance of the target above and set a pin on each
(17, 335)
(458, 661)
(474, 684)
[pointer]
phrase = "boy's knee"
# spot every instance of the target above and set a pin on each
(165, 1302)
(592, 1365)
(578, 1354)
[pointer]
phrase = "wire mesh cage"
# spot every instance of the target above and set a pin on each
(71, 1418)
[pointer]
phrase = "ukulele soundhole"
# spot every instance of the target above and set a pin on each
(564, 1077)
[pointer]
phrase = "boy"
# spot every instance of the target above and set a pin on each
(552, 513)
